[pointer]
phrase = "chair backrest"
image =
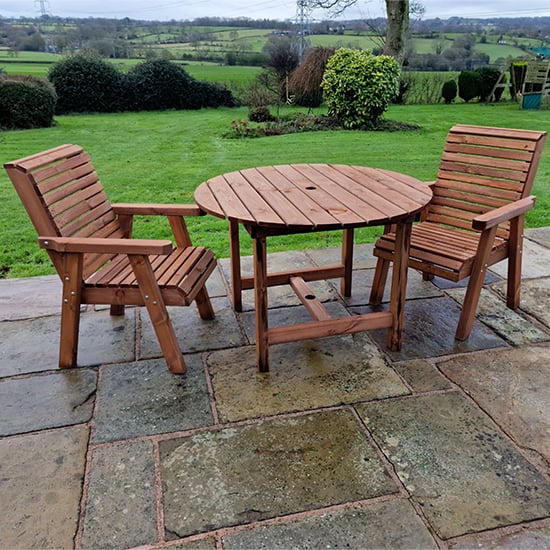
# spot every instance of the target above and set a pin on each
(483, 168)
(64, 197)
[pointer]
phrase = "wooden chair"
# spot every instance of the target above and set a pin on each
(89, 242)
(476, 216)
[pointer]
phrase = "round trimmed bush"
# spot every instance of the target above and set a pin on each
(86, 83)
(26, 102)
(449, 91)
(469, 85)
(358, 86)
(160, 85)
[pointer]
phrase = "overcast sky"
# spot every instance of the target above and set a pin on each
(259, 9)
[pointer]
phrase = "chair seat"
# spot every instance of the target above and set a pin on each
(441, 250)
(180, 275)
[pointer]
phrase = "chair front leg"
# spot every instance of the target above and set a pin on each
(70, 309)
(156, 308)
(477, 276)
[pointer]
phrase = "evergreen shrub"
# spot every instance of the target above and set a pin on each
(358, 86)
(26, 102)
(449, 91)
(87, 83)
(469, 85)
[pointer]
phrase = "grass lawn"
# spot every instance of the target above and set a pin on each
(162, 157)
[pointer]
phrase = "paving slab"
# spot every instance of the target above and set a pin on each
(535, 297)
(391, 525)
(509, 324)
(194, 334)
(535, 262)
(490, 278)
(144, 398)
(121, 507)
(206, 543)
(281, 296)
(303, 375)
(429, 331)
(465, 474)
(363, 258)
(33, 345)
(422, 376)
(362, 284)
(529, 537)
(513, 386)
(29, 297)
(283, 316)
(243, 474)
(48, 401)
(540, 235)
(41, 477)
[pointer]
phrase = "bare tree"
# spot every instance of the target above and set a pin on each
(398, 20)
(397, 29)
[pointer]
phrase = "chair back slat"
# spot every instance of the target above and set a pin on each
(481, 169)
(64, 197)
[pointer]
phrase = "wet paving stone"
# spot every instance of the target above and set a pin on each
(457, 464)
(535, 297)
(47, 401)
(535, 261)
(430, 327)
(513, 386)
(103, 339)
(121, 507)
(303, 375)
(529, 537)
(194, 334)
(505, 321)
(283, 295)
(41, 478)
(422, 376)
(145, 398)
(362, 284)
(284, 316)
(243, 474)
(363, 258)
(392, 525)
(30, 297)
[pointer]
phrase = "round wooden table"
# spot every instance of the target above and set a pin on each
(300, 198)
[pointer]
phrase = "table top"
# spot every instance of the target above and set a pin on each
(313, 197)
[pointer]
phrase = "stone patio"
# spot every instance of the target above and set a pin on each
(343, 444)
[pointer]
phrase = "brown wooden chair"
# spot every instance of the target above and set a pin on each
(476, 216)
(89, 242)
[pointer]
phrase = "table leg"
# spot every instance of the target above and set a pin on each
(399, 284)
(260, 301)
(235, 260)
(347, 260)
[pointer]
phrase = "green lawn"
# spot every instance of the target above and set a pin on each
(162, 157)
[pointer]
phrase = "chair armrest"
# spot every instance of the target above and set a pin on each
(105, 246)
(157, 209)
(504, 213)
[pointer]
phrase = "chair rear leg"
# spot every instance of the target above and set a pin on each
(117, 309)
(379, 281)
(204, 305)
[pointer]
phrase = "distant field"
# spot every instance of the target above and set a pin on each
(163, 156)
